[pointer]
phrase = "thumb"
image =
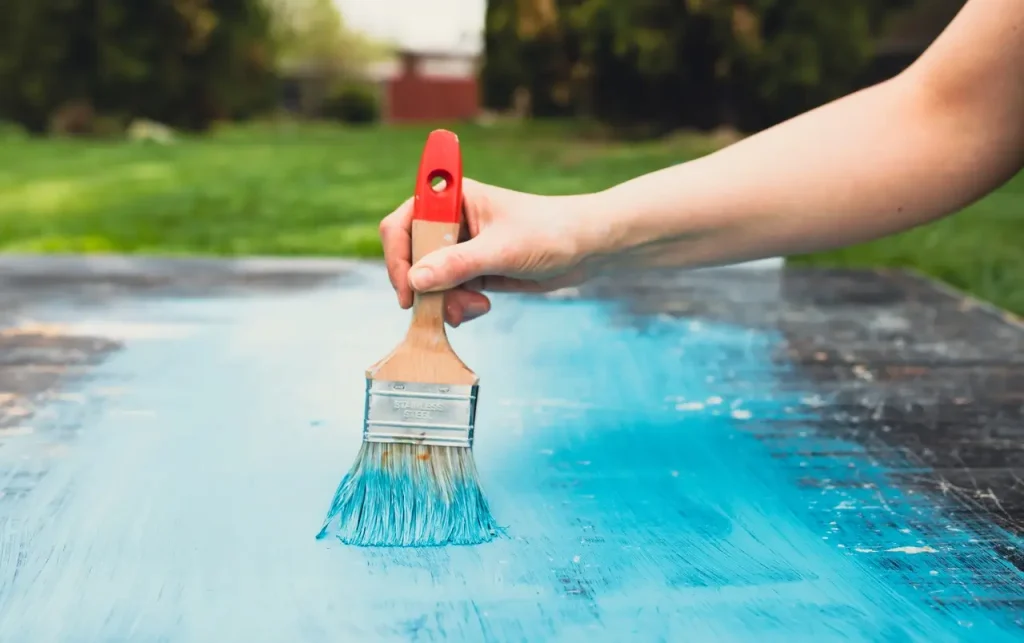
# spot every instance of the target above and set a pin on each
(448, 267)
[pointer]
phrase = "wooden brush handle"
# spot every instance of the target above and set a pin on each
(424, 355)
(437, 214)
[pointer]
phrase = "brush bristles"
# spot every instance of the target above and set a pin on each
(404, 495)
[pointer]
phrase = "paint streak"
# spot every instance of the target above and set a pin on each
(628, 517)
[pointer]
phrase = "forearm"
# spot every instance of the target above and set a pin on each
(877, 162)
(857, 169)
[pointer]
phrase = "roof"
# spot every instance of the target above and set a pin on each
(436, 53)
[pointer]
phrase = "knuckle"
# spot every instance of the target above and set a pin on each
(460, 264)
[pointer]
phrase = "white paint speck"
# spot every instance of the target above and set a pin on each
(714, 399)
(813, 401)
(742, 415)
(933, 573)
(689, 406)
(674, 474)
(913, 550)
(863, 550)
(846, 504)
(576, 559)
(862, 373)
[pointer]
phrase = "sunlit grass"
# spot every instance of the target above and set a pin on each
(321, 190)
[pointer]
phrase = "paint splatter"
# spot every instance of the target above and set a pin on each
(689, 406)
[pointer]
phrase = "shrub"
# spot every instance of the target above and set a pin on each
(354, 103)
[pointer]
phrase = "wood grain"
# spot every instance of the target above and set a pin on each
(425, 354)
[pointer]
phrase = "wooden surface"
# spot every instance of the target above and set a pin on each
(720, 456)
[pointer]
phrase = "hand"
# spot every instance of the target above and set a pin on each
(511, 242)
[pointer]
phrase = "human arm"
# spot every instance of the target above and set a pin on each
(922, 145)
(944, 133)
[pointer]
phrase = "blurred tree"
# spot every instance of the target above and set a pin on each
(526, 49)
(183, 62)
(320, 61)
(670, 63)
(502, 71)
(312, 34)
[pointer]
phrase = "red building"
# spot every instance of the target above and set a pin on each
(431, 86)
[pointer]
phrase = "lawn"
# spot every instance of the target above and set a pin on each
(321, 190)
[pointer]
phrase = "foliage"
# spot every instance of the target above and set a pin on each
(353, 102)
(319, 189)
(311, 34)
(184, 62)
(685, 62)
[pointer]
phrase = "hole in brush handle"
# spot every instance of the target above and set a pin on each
(439, 181)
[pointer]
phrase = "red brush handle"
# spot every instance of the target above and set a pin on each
(441, 159)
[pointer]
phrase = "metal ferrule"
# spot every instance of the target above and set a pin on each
(416, 413)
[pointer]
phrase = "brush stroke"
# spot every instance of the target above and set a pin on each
(646, 494)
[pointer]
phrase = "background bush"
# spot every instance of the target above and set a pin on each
(354, 103)
(187, 64)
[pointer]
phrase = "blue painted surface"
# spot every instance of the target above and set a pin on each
(644, 497)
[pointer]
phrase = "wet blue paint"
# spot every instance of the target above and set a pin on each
(644, 500)
(403, 495)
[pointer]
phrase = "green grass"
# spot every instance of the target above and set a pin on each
(321, 190)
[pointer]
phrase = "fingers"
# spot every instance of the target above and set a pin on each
(468, 302)
(395, 234)
(465, 305)
(455, 265)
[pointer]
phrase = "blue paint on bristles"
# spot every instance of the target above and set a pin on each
(406, 495)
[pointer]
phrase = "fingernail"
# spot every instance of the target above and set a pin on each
(474, 310)
(421, 277)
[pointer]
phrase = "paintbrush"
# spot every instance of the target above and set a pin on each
(414, 482)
